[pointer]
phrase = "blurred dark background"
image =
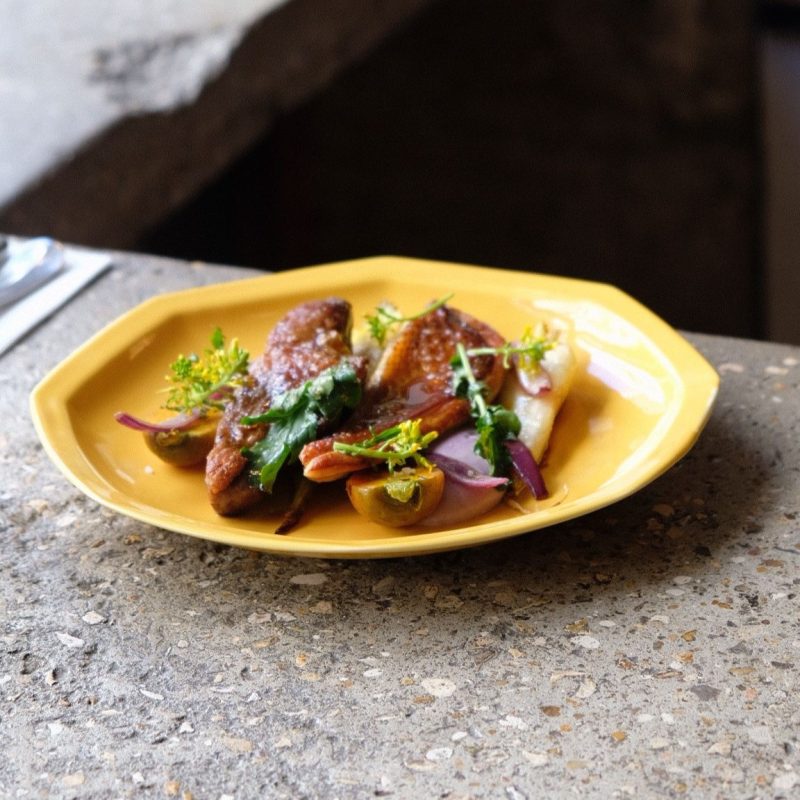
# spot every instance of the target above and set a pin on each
(614, 141)
(654, 145)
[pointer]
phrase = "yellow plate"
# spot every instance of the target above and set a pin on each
(641, 397)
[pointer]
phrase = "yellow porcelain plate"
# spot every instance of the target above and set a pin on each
(639, 402)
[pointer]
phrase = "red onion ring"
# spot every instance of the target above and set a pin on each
(526, 466)
(464, 474)
(180, 423)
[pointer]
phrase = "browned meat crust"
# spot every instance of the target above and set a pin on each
(413, 381)
(311, 338)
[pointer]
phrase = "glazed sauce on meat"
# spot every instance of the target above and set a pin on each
(308, 340)
(412, 381)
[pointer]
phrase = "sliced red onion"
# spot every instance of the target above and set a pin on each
(464, 474)
(536, 382)
(460, 446)
(526, 466)
(462, 503)
(468, 493)
(180, 423)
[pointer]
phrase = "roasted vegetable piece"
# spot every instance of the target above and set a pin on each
(396, 499)
(537, 410)
(187, 447)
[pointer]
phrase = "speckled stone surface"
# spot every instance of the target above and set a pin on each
(647, 650)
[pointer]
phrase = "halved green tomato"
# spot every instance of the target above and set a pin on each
(184, 448)
(396, 499)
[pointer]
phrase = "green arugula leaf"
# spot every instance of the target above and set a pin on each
(494, 424)
(294, 419)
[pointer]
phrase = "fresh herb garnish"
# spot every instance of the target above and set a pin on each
(203, 384)
(494, 424)
(294, 419)
(385, 317)
(530, 350)
(394, 446)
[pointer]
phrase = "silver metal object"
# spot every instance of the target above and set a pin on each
(27, 266)
(79, 268)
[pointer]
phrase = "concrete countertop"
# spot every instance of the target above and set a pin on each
(649, 649)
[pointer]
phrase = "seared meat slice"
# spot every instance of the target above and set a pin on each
(311, 338)
(412, 381)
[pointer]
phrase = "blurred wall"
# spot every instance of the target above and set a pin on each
(781, 108)
(613, 141)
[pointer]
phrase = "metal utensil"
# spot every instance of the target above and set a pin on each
(80, 268)
(27, 266)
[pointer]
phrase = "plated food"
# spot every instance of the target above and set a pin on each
(402, 413)
(639, 397)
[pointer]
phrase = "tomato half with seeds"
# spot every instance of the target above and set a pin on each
(396, 499)
(187, 447)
